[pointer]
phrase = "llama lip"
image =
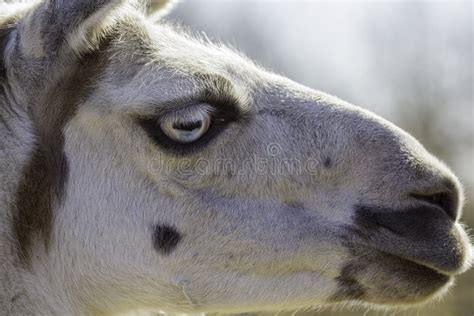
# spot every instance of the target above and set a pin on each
(448, 261)
(420, 264)
(367, 277)
(420, 281)
(364, 250)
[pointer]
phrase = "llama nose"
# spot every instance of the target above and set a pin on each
(446, 199)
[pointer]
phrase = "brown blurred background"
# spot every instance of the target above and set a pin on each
(411, 62)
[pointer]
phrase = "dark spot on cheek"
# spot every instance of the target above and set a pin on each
(15, 298)
(327, 162)
(349, 287)
(165, 238)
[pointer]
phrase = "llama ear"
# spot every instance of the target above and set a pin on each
(77, 25)
(156, 9)
(7, 25)
(4, 35)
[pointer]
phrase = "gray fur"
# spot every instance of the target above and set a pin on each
(299, 199)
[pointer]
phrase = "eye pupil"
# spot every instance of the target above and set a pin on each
(188, 126)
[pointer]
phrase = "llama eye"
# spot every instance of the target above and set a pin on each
(190, 128)
(186, 129)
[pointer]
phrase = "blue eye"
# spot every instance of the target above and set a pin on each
(187, 128)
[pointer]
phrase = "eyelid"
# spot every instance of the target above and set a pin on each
(187, 113)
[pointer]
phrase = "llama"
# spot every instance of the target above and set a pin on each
(142, 168)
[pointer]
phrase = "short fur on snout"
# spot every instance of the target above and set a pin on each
(290, 199)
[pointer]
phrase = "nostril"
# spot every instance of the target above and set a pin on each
(444, 200)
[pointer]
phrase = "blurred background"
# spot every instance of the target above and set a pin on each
(411, 62)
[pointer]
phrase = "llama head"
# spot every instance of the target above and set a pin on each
(172, 173)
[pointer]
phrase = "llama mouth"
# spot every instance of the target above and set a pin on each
(418, 235)
(384, 269)
(448, 256)
(458, 255)
(421, 265)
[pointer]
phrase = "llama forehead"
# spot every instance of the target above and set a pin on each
(148, 63)
(195, 54)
